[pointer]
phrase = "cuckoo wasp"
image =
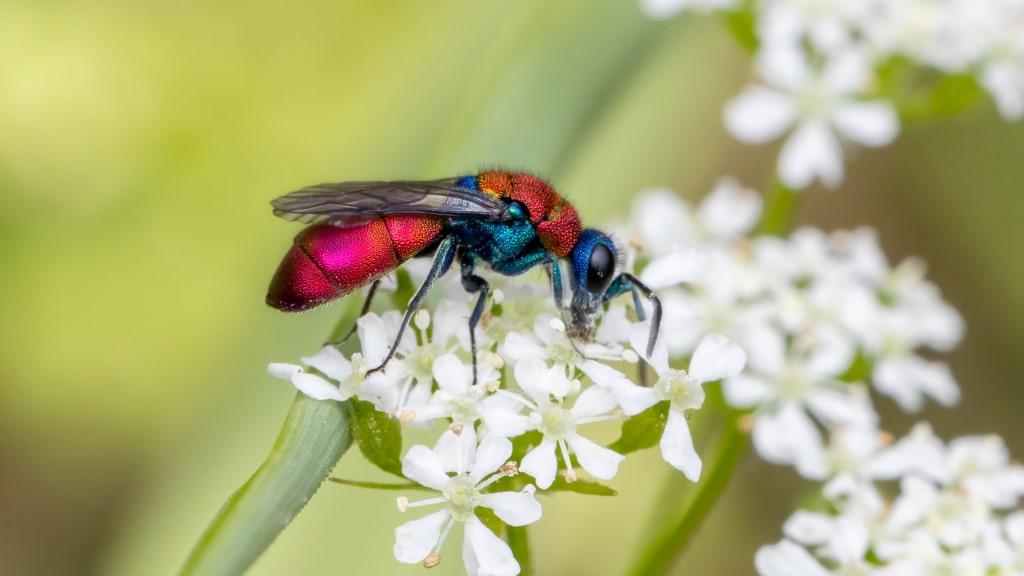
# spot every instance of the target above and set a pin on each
(512, 222)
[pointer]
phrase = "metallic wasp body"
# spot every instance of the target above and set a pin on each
(360, 231)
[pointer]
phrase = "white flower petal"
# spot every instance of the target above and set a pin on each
(867, 123)
(493, 555)
(541, 464)
(639, 336)
(808, 528)
(492, 453)
(518, 347)
(374, 338)
(331, 362)
(789, 437)
(787, 559)
(529, 372)
(759, 114)
(849, 539)
(745, 391)
(415, 539)
(677, 267)
(282, 370)
(677, 446)
(457, 452)
(811, 152)
(834, 407)
(452, 375)
(316, 387)
(661, 9)
(504, 422)
(514, 508)
(594, 401)
(598, 461)
(421, 465)
(716, 357)
(730, 210)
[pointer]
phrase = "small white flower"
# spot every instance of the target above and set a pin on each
(347, 377)
(816, 106)
(547, 387)
(716, 357)
(475, 468)
(547, 344)
(456, 397)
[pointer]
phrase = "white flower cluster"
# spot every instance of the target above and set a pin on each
(819, 63)
(952, 512)
(535, 392)
(825, 320)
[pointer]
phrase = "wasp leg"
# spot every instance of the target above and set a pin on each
(442, 261)
(366, 308)
(473, 284)
(626, 282)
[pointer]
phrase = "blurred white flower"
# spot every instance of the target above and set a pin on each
(816, 105)
(667, 8)
(475, 468)
(786, 389)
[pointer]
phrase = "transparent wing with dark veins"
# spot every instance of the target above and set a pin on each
(348, 201)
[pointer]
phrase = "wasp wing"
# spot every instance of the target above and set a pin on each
(348, 201)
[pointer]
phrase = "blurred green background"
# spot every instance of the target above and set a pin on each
(141, 141)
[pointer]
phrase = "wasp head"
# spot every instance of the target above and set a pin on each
(594, 260)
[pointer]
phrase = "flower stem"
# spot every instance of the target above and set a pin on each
(782, 203)
(519, 542)
(668, 545)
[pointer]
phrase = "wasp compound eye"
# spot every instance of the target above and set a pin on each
(600, 269)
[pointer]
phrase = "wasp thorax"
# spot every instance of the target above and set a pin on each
(463, 497)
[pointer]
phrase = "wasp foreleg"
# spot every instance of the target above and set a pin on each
(627, 282)
(442, 261)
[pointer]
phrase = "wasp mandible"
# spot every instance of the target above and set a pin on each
(360, 231)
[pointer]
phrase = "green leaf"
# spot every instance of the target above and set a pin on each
(378, 435)
(643, 430)
(581, 487)
(314, 436)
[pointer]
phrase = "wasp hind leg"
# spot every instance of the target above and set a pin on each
(473, 284)
(442, 261)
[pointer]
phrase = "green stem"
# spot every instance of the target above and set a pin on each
(668, 545)
(778, 218)
(519, 542)
(314, 436)
(780, 210)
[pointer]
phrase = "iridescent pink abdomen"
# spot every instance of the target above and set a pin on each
(329, 261)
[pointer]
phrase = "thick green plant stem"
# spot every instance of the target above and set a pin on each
(519, 542)
(314, 436)
(671, 542)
